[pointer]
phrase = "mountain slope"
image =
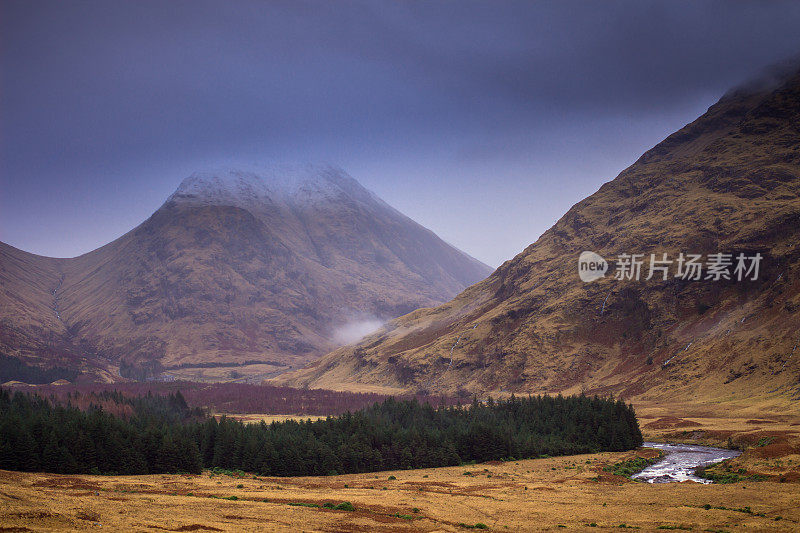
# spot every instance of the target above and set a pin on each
(234, 267)
(728, 182)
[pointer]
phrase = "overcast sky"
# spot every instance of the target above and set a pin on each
(484, 121)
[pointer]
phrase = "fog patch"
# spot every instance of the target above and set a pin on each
(356, 329)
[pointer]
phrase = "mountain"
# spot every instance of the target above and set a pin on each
(729, 182)
(276, 266)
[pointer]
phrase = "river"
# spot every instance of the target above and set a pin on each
(680, 462)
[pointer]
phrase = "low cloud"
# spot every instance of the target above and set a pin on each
(356, 329)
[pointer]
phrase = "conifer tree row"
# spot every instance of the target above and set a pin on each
(156, 437)
(15, 369)
(160, 434)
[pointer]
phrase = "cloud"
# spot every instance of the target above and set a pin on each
(106, 105)
(356, 330)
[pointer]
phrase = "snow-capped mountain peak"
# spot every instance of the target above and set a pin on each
(245, 186)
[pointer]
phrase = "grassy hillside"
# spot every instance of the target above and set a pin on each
(729, 182)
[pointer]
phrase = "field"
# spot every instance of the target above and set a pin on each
(268, 419)
(532, 495)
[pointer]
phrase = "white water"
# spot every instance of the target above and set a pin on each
(680, 462)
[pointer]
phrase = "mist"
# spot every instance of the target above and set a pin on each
(356, 329)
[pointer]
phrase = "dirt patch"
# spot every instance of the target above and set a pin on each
(482, 489)
(189, 527)
(33, 515)
(606, 477)
(8, 475)
(773, 451)
(130, 487)
(758, 439)
(759, 421)
(85, 514)
(440, 488)
(670, 422)
(67, 483)
(791, 477)
(701, 436)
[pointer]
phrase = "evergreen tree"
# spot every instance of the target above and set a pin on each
(162, 434)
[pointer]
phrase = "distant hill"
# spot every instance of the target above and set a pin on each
(276, 266)
(729, 182)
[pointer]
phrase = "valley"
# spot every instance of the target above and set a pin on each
(209, 338)
(725, 183)
(551, 494)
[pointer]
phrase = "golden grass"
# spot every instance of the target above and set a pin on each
(268, 419)
(530, 495)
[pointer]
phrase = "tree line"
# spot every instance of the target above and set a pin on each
(161, 434)
(152, 434)
(15, 369)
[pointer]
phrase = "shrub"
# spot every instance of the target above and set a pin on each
(765, 441)
(630, 466)
(723, 474)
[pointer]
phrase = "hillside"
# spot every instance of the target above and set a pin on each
(275, 267)
(728, 182)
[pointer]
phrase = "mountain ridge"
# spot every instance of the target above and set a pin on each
(214, 277)
(727, 182)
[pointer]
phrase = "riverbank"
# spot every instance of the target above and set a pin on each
(680, 462)
(769, 441)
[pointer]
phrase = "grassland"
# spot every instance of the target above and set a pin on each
(532, 495)
(268, 419)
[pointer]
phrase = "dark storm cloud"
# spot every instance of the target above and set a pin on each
(102, 99)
